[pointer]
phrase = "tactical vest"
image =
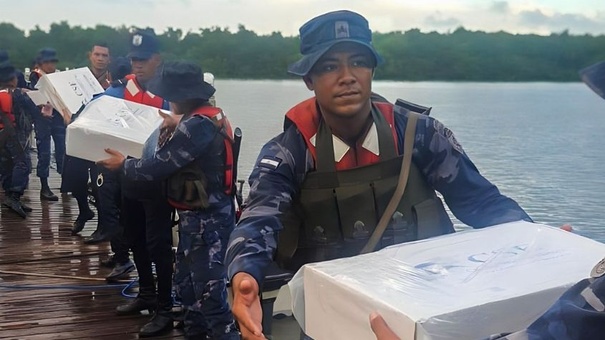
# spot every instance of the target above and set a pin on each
(187, 189)
(134, 93)
(338, 208)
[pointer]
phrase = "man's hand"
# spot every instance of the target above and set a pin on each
(381, 329)
(46, 110)
(567, 227)
(170, 120)
(114, 162)
(247, 307)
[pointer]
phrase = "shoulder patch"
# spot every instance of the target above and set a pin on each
(270, 163)
(448, 134)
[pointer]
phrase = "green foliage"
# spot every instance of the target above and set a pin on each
(461, 55)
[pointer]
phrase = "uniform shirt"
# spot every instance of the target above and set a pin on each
(191, 141)
(285, 160)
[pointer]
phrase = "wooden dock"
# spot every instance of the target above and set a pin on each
(51, 284)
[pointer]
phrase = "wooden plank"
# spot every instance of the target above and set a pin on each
(39, 253)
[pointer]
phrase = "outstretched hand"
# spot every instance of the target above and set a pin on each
(381, 329)
(247, 307)
(114, 162)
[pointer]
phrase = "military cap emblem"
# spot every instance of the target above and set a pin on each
(137, 40)
(341, 29)
(599, 269)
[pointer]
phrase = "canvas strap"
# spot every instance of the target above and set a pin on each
(408, 147)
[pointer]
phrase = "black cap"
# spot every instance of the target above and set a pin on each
(47, 54)
(143, 45)
(178, 81)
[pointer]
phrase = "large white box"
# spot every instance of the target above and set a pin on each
(67, 91)
(467, 285)
(109, 122)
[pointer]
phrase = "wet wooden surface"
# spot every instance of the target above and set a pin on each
(51, 284)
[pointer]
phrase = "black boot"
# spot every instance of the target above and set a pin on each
(80, 221)
(13, 202)
(160, 322)
(47, 195)
(146, 299)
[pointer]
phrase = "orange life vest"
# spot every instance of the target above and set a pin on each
(220, 120)
(6, 105)
(187, 188)
(134, 93)
(306, 117)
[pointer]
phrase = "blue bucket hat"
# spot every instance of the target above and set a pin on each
(319, 34)
(143, 45)
(178, 81)
(46, 55)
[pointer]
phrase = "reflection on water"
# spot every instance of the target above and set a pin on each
(541, 143)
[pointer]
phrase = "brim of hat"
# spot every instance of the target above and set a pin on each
(201, 90)
(140, 55)
(49, 60)
(306, 63)
(8, 76)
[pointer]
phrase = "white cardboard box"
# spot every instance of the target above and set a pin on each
(467, 285)
(109, 122)
(67, 91)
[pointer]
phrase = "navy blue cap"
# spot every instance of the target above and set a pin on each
(178, 81)
(7, 71)
(143, 45)
(319, 34)
(47, 54)
(119, 68)
(3, 56)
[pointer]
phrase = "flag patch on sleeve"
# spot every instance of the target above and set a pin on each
(269, 162)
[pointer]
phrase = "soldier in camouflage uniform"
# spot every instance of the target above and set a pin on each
(287, 185)
(192, 141)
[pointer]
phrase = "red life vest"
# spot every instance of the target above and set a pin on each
(306, 118)
(220, 120)
(6, 105)
(134, 93)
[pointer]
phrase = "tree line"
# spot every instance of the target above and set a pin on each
(461, 55)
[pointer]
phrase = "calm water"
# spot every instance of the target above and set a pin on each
(541, 143)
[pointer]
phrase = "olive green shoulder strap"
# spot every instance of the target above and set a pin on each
(408, 148)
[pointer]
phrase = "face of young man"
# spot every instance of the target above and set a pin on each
(49, 66)
(342, 81)
(99, 57)
(144, 69)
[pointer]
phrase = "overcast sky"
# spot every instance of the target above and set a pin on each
(286, 16)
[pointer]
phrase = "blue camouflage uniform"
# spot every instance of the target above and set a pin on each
(200, 276)
(284, 162)
(16, 178)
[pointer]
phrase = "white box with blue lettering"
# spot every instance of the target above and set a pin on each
(467, 285)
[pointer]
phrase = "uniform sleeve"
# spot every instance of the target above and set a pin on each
(189, 141)
(470, 196)
(274, 181)
(27, 104)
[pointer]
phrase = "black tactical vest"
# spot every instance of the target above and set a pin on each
(337, 211)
